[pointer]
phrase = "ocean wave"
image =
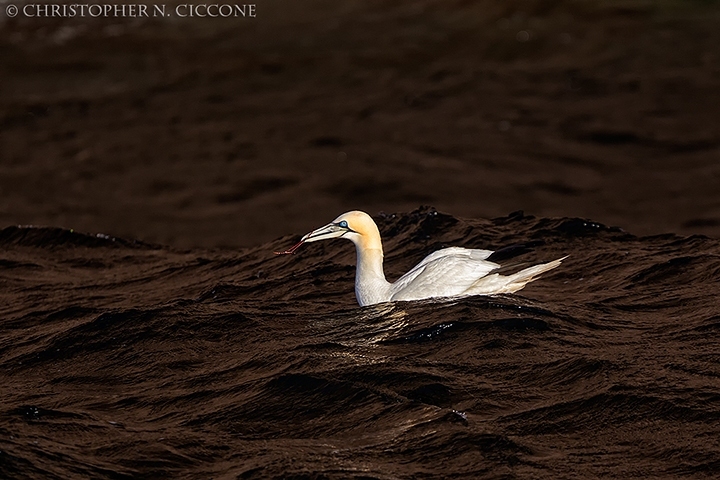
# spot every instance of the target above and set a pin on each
(128, 360)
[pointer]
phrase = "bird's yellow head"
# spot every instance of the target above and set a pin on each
(356, 226)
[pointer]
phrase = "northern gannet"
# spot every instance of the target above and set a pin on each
(450, 272)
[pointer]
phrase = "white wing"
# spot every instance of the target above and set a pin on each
(444, 273)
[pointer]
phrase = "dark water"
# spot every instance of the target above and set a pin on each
(127, 360)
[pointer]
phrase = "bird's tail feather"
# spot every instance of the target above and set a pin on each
(496, 283)
(523, 277)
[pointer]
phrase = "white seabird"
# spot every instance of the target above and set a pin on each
(450, 272)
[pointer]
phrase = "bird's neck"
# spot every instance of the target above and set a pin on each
(370, 263)
(370, 284)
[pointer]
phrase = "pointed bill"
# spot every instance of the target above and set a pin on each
(331, 230)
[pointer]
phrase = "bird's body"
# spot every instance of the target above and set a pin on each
(450, 272)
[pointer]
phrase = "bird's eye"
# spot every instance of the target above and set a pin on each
(343, 224)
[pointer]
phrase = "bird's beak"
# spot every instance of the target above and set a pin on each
(330, 230)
